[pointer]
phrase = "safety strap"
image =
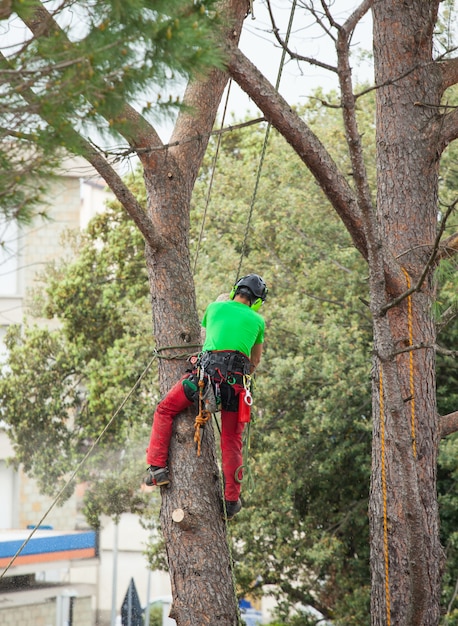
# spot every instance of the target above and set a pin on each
(224, 363)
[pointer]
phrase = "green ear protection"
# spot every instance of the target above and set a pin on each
(256, 304)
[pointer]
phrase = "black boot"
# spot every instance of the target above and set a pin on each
(157, 476)
(232, 508)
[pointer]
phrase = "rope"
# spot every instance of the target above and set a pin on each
(79, 466)
(175, 357)
(210, 185)
(264, 147)
(229, 547)
(411, 366)
(382, 437)
(201, 418)
(384, 496)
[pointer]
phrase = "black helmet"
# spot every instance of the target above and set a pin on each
(254, 283)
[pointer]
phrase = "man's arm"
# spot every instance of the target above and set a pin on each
(255, 356)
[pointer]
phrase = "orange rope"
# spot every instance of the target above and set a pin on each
(384, 495)
(201, 418)
(411, 368)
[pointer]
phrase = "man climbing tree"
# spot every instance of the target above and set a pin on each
(220, 380)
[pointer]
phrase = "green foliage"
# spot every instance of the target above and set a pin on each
(80, 68)
(303, 531)
(25, 171)
(63, 385)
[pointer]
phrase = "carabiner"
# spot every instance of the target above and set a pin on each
(248, 398)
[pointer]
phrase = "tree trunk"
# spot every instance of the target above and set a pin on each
(197, 549)
(198, 555)
(405, 547)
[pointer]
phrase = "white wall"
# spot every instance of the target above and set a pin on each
(8, 508)
(130, 561)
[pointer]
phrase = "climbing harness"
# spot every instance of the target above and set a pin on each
(245, 401)
(214, 367)
(219, 364)
(207, 406)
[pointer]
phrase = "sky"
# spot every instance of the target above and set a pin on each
(297, 81)
(307, 39)
(260, 46)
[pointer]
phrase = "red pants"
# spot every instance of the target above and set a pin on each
(231, 438)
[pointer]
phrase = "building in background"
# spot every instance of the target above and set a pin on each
(66, 575)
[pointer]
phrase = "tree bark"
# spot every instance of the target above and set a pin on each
(198, 553)
(404, 521)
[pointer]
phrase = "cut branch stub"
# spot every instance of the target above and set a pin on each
(184, 519)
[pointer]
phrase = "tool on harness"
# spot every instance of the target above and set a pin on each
(190, 387)
(245, 402)
(207, 406)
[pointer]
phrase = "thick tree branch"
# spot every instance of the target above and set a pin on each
(449, 424)
(305, 143)
(449, 69)
(122, 193)
(449, 130)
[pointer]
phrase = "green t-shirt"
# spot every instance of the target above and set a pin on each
(232, 326)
